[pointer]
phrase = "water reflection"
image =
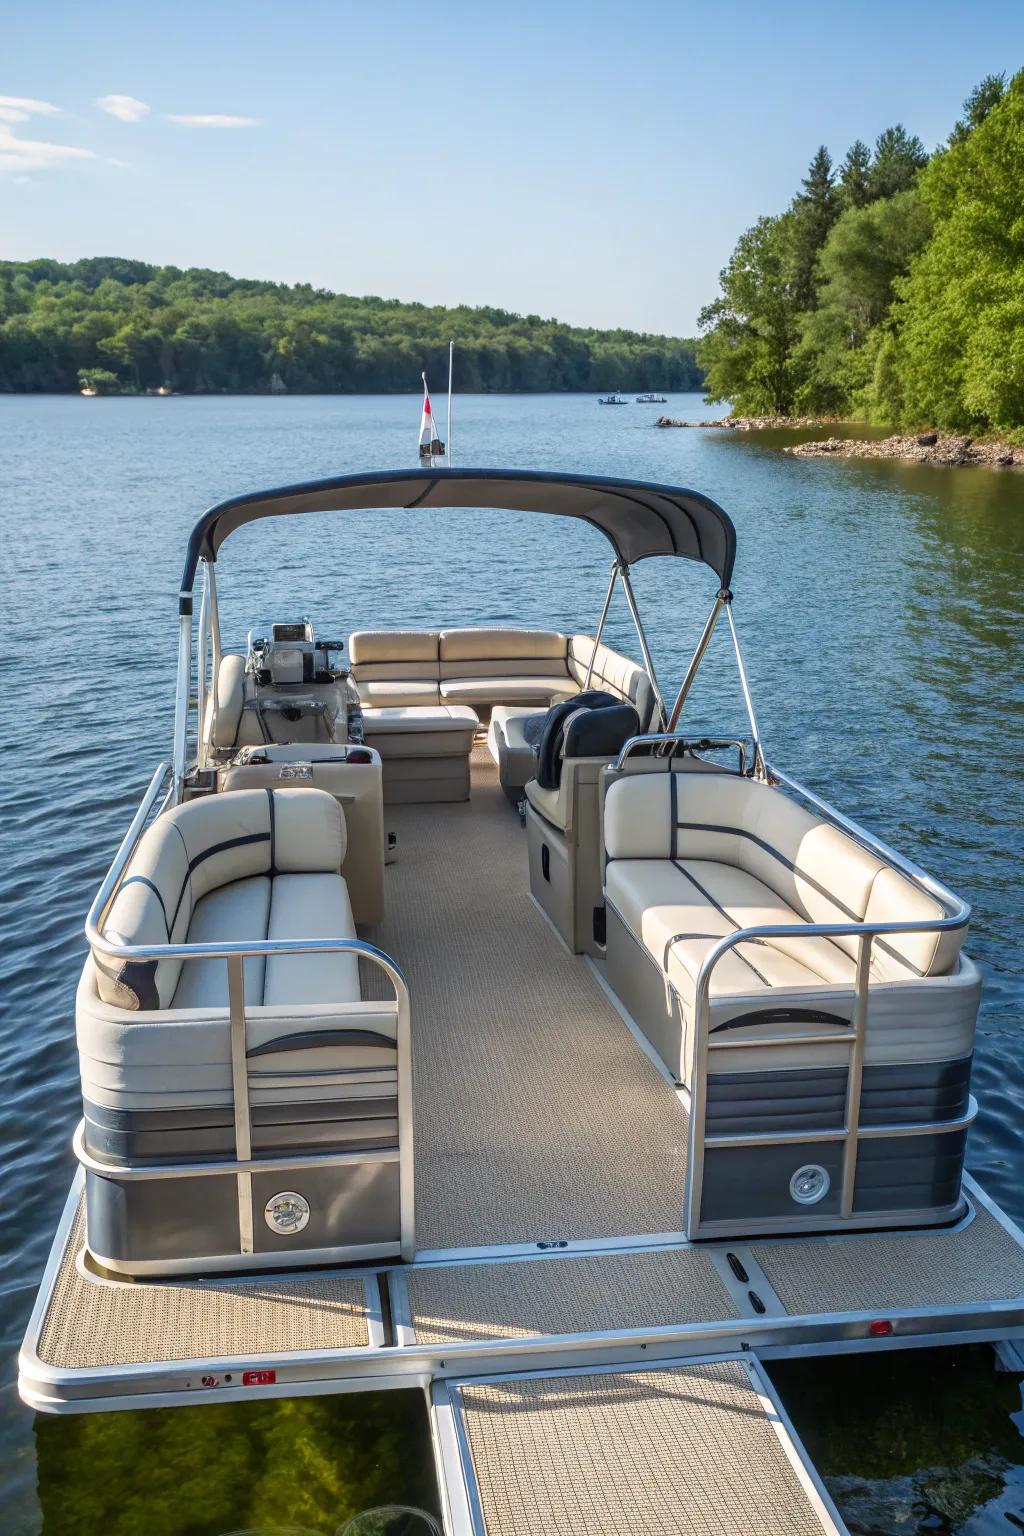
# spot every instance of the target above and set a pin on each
(309, 1465)
(914, 1442)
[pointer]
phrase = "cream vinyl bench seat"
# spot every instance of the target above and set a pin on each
(477, 667)
(320, 1070)
(694, 857)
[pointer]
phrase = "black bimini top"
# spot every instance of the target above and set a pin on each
(638, 519)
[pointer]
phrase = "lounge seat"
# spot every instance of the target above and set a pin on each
(155, 1042)
(692, 857)
(563, 811)
(350, 773)
(606, 669)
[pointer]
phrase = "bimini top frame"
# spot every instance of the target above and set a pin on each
(638, 519)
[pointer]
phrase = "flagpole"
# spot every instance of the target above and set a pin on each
(451, 357)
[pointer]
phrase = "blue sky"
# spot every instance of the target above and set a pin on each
(590, 161)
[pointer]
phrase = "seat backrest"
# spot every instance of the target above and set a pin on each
(383, 655)
(816, 868)
(592, 724)
(503, 653)
(228, 702)
(614, 673)
(195, 848)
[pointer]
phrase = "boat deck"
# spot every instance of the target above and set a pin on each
(695, 1449)
(537, 1115)
(550, 1163)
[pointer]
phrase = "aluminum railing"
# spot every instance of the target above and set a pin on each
(850, 1132)
(665, 739)
(234, 955)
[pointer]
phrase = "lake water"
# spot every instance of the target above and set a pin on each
(881, 608)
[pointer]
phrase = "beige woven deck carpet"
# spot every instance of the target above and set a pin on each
(537, 1116)
(688, 1451)
(873, 1273)
(93, 1322)
(586, 1294)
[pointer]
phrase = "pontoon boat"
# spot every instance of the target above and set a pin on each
(454, 1017)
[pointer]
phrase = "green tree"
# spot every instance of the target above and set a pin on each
(987, 94)
(898, 158)
(961, 315)
(751, 329)
(854, 176)
(815, 211)
(866, 252)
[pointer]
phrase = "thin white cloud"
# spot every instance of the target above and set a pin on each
(15, 109)
(128, 108)
(122, 165)
(21, 181)
(210, 120)
(21, 155)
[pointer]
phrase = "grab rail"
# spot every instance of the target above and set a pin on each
(958, 914)
(664, 738)
(234, 954)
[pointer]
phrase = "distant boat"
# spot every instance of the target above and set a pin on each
(652, 399)
(89, 392)
(612, 400)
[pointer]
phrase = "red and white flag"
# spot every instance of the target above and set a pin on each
(427, 433)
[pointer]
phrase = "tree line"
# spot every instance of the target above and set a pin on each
(125, 326)
(892, 287)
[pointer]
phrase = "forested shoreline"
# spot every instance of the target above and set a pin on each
(118, 326)
(891, 289)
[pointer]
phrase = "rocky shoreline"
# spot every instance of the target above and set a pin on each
(944, 448)
(751, 423)
(921, 448)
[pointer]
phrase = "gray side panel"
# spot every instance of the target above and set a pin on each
(746, 1183)
(909, 1172)
(636, 979)
(804, 1098)
(153, 1221)
(129, 1136)
(924, 1090)
(799, 1099)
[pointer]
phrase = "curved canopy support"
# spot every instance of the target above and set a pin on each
(638, 519)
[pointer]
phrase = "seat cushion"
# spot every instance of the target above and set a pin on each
(430, 730)
(502, 645)
(549, 803)
(680, 910)
(403, 720)
(311, 907)
(507, 690)
(400, 693)
(375, 646)
(233, 913)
